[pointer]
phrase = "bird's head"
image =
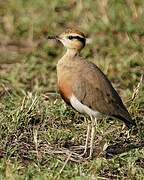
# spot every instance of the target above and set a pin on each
(71, 39)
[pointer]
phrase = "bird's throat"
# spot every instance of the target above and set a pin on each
(71, 53)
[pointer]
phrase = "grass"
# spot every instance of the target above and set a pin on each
(36, 127)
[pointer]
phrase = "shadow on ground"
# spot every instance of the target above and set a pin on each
(122, 147)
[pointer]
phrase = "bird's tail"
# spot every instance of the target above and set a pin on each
(129, 122)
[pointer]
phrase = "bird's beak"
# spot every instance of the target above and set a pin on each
(53, 37)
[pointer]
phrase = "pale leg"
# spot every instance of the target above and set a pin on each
(87, 139)
(94, 122)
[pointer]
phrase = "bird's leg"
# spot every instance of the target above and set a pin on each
(87, 139)
(94, 122)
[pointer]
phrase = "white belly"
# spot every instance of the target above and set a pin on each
(76, 104)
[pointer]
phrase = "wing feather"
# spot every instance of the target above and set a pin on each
(96, 91)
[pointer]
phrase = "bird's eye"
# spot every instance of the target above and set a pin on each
(70, 37)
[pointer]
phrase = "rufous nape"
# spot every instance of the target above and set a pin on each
(85, 87)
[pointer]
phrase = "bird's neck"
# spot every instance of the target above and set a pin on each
(68, 57)
(71, 53)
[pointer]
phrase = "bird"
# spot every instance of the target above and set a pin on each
(84, 87)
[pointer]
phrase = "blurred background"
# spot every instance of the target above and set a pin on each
(28, 60)
(34, 121)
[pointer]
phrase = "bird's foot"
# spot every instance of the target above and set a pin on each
(84, 153)
(90, 154)
(87, 154)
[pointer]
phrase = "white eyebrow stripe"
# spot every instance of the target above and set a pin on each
(74, 34)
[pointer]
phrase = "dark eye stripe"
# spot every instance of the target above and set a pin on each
(81, 39)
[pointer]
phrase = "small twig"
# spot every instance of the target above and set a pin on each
(23, 103)
(68, 158)
(35, 133)
(137, 89)
(49, 95)
(102, 178)
(6, 89)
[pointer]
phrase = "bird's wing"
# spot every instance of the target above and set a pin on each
(96, 91)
